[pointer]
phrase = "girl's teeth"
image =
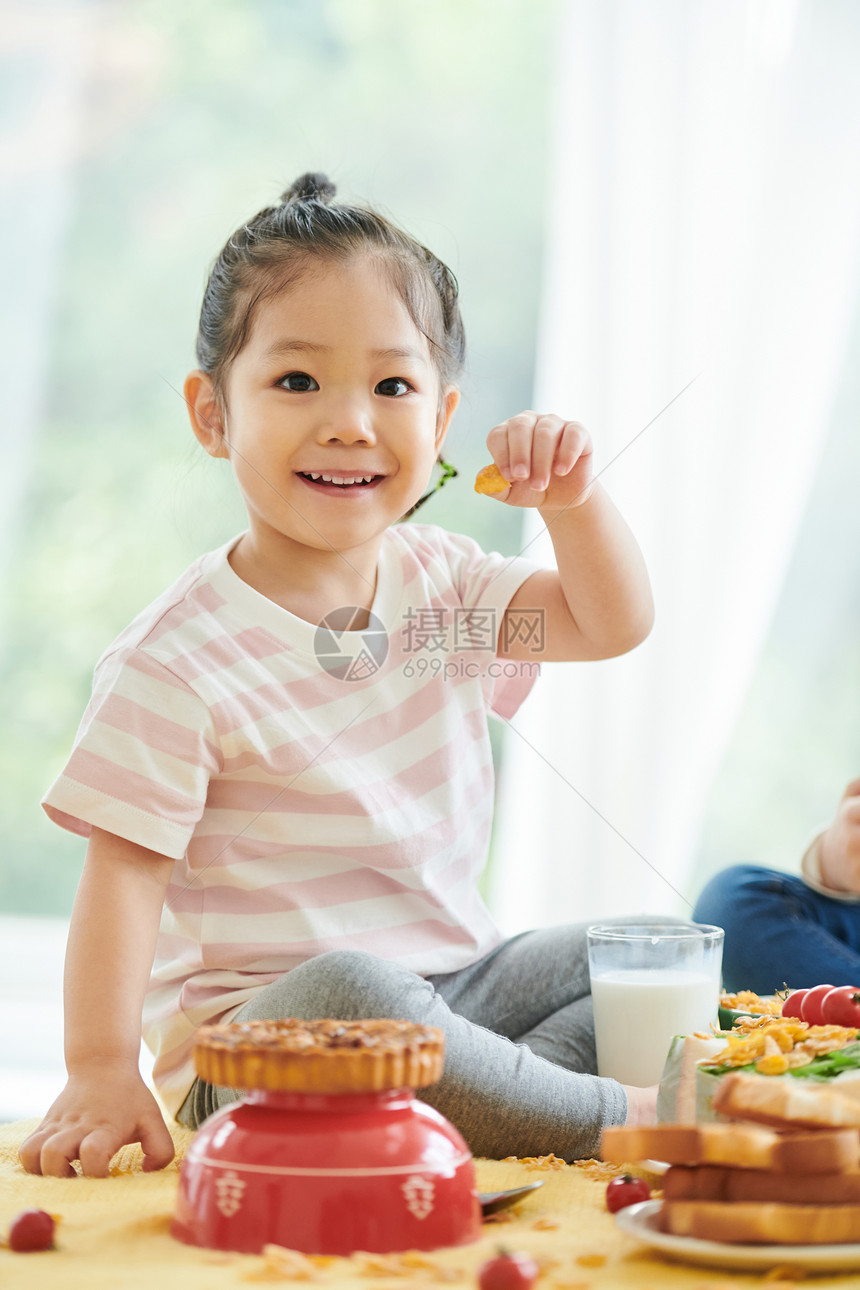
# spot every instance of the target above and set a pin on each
(328, 479)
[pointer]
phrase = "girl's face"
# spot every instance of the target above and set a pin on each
(334, 380)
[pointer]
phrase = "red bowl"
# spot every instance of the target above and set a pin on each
(327, 1174)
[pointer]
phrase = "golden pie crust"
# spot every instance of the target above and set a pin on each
(323, 1056)
(490, 480)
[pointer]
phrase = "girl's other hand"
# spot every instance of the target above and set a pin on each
(99, 1111)
(840, 845)
(548, 460)
(641, 1104)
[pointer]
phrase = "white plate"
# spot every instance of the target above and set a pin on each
(641, 1221)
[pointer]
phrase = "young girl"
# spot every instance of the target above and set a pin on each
(286, 813)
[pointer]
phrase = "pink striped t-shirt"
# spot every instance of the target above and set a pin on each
(318, 791)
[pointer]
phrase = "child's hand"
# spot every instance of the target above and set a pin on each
(840, 844)
(545, 461)
(96, 1114)
(641, 1104)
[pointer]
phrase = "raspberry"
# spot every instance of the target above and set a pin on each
(32, 1230)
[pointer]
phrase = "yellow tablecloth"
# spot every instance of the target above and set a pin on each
(113, 1235)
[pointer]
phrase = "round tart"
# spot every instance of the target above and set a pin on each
(325, 1056)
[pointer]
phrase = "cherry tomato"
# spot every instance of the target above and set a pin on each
(841, 1007)
(625, 1191)
(810, 1009)
(792, 1005)
(508, 1272)
(32, 1230)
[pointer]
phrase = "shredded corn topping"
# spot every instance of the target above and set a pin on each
(777, 1044)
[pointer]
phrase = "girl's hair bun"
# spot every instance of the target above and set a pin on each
(309, 187)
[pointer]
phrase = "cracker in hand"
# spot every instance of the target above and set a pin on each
(491, 480)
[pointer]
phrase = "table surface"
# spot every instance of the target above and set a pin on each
(115, 1232)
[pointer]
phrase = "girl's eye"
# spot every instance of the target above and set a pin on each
(304, 383)
(393, 380)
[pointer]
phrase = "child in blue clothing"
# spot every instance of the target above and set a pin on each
(268, 836)
(783, 929)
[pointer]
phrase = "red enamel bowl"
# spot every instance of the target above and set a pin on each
(327, 1174)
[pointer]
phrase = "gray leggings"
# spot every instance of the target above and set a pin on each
(518, 1024)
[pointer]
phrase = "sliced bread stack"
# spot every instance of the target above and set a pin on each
(785, 1170)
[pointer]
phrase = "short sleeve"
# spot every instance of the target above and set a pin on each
(142, 757)
(488, 582)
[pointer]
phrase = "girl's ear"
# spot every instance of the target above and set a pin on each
(450, 399)
(204, 413)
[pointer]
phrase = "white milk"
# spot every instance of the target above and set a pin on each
(636, 1013)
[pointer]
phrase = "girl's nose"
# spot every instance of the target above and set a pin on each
(348, 420)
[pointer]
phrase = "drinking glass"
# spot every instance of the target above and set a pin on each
(650, 982)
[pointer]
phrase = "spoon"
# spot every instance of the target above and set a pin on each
(493, 1201)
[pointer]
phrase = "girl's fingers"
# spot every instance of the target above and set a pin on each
(851, 810)
(530, 447)
(58, 1151)
(518, 446)
(545, 437)
(575, 442)
(30, 1152)
(157, 1144)
(97, 1150)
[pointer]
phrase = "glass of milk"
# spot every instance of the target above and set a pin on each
(650, 982)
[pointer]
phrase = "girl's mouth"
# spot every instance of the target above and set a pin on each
(360, 485)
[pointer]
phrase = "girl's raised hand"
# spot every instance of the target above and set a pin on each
(96, 1114)
(543, 460)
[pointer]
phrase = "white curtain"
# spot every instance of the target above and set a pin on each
(45, 68)
(704, 222)
(47, 54)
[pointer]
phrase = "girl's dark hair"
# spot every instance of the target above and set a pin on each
(280, 244)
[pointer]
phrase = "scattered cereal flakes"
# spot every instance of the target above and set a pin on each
(377, 1265)
(116, 1172)
(543, 1162)
(545, 1224)
(591, 1260)
(279, 1262)
(546, 1263)
(149, 1225)
(599, 1170)
(503, 1216)
(264, 1273)
(417, 1259)
(404, 1264)
(784, 1272)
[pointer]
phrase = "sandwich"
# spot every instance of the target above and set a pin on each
(782, 1048)
(782, 1168)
